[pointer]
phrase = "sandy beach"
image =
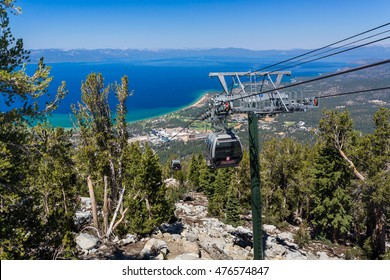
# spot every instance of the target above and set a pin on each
(200, 102)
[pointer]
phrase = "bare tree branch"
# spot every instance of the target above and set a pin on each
(93, 202)
(120, 220)
(110, 229)
(352, 166)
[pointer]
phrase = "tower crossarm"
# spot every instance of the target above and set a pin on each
(255, 92)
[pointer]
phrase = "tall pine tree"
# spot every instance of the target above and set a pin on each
(28, 215)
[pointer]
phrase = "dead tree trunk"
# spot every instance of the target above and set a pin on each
(114, 190)
(64, 196)
(380, 233)
(105, 205)
(110, 229)
(93, 203)
(352, 166)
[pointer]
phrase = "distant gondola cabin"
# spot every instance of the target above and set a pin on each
(175, 165)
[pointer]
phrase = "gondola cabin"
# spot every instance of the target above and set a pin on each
(175, 165)
(223, 150)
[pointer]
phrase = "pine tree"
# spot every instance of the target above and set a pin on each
(15, 83)
(147, 203)
(52, 179)
(336, 129)
(233, 205)
(207, 177)
(122, 94)
(282, 164)
(103, 146)
(374, 155)
(244, 182)
(25, 230)
(194, 171)
(330, 212)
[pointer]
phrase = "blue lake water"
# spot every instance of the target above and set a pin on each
(160, 86)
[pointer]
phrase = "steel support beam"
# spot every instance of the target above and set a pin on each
(255, 186)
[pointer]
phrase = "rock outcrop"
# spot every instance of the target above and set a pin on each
(87, 241)
(197, 236)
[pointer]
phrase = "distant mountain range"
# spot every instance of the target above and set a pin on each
(360, 55)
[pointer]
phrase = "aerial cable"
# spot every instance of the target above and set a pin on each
(353, 92)
(315, 59)
(305, 82)
(322, 48)
(318, 78)
(332, 54)
(311, 52)
(191, 122)
(322, 57)
(339, 47)
(327, 46)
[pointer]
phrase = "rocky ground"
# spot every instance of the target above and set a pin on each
(195, 236)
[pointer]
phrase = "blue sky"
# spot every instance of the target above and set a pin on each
(154, 24)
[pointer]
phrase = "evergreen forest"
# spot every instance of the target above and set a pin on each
(336, 188)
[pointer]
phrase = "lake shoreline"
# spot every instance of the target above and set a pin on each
(57, 119)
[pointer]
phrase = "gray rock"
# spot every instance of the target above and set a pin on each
(87, 241)
(243, 230)
(276, 250)
(220, 243)
(86, 202)
(153, 248)
(286, 236)
(230, 228)
(208, 242)
(236, 252)
(128, 240)
(164, 251)
(158, 234)
(187, 257)
(270, 242)
(190, 247)
(270, 229)
(294, 255)
(83, 215)
(176, 237)
(167, 236)
(311, 256)
(322, 256)
(243, 237)
(160, 257)
(192, 237)
(184, 208)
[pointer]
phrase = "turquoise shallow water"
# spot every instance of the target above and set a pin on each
(65, 119)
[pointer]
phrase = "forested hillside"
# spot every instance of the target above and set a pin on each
(335, 187)
(44, 170)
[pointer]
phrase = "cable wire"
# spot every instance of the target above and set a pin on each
(342, 46)
(191, 122)
(318, 79)
(332, 54)
(353, 92)
(305, 82)
(322, 48)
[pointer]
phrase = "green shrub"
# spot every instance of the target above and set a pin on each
(302, 237)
